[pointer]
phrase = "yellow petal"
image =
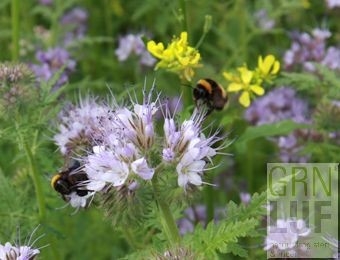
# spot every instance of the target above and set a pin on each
(234, 87)
(257, 90)
(155, 49)
(276, 67)
(244, 99)
(267, 64)
(184, 37)
(228, 76)
(246, 76)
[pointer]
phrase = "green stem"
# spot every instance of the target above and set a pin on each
(167, 220)
(185, 17)
(34, 174)
(206, 29)
(209, 200)
(15, 29)
(36, 181)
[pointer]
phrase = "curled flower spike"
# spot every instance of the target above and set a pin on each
(125, 140)
(177, 57)
(245, 84)
(188, 148)
(79, 126)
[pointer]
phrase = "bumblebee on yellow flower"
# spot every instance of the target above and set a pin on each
(177, 57)
(249, 82)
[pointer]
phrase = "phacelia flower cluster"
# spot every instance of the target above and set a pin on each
(282, 104)
(125, 148)
(178, 56)
(11, 252)
(20, 252)
(307, 49)
(51, 62)
(287, 237)
(15, 85)
(249, 82)
(79, 127)
(132, 44)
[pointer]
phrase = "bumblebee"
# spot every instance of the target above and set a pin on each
(67, 181)
(210, 93)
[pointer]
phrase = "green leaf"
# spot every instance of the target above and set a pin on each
(279, 128)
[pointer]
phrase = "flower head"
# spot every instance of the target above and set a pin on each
(277, 105)
(244, 84)
(187, 146)
(250, 82)
(52, 61)
(178, 57)
(125, 138)
(308, 48)
(285, 237)
(267, 68)
(79, 127)
(75, 24)
(133, 44)
(19, 252)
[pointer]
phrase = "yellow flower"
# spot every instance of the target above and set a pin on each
(178, 57)
(267, 68)
(243, 82)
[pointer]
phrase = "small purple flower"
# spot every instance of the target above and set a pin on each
(75, 22)
(79, 127)
(141, 168)
(51, 62)
(104, 168)
(277, 105)
(189, 148)
(245, 197)
(263, 21)
(132, 44)
(194, 215)
(19, 252)
(307, 49)
(333, 3)
(285, 236)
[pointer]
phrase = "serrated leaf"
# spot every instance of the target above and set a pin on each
(236, 249)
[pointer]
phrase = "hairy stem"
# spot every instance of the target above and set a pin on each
(167, 220)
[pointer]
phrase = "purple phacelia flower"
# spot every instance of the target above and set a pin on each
(196, 215)
(277, 105)
(307, 49)
(79, 127)
(263, 21)
(75, 22)
(51, 62)
(333, 3)
(132, 44)
(287, 236)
